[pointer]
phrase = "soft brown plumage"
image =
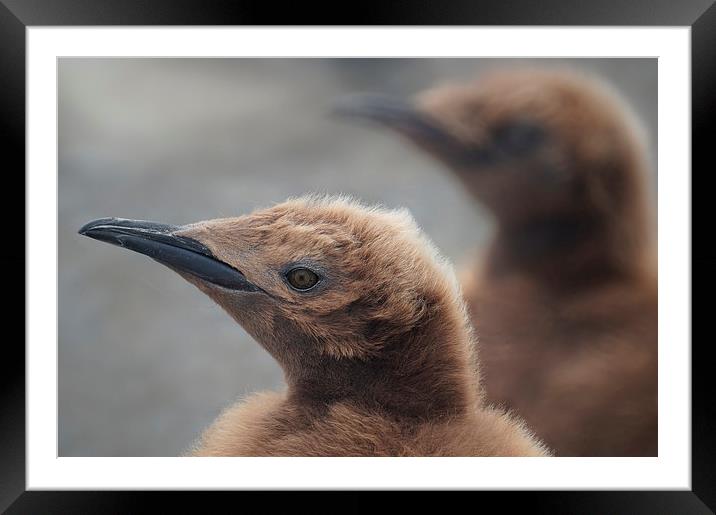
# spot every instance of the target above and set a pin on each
(378, 355)
(564, 299)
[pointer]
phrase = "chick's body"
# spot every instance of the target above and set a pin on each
(271, 424)
(564, 297)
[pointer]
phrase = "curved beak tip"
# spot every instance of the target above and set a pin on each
(95, 223)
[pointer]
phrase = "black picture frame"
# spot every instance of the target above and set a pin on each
(16, 15)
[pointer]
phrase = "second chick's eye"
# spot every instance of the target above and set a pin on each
(519, 137)
(302, 278)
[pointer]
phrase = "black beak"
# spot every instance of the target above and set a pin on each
(397, 114)
(407, 119)
(159, 242)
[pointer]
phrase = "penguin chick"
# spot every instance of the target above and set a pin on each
(362, 314)
(565, 295)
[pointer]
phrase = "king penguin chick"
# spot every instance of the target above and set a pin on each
(564, 298)
(364, 317)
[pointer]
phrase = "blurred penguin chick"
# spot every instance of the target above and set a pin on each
(564, 298)
(364, 317)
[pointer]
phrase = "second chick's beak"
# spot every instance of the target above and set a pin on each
(395, 113)
(407, 119)
(161, 243)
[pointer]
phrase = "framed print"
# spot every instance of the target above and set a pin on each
(134, 113)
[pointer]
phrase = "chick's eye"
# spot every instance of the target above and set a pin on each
(302, 278)
(519, 138)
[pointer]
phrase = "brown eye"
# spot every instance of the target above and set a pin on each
(302, 278)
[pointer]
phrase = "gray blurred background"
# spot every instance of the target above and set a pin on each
(146, 361)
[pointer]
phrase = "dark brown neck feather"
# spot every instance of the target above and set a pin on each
(425, 374)
(565, 251)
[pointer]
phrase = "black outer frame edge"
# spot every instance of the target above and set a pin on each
(397, 12)
(703, 132)
(582, 503)
(12, 137)
(460, 12)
